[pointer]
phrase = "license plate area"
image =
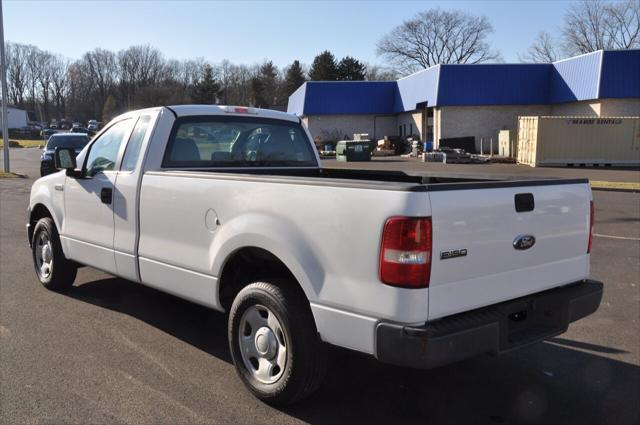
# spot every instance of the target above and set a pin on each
(531, 320)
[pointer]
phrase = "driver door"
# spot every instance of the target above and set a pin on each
(88, 227)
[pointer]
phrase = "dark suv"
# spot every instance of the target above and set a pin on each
(62, 140)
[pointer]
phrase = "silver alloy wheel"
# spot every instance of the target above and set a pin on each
(44, 255)
(263, 345)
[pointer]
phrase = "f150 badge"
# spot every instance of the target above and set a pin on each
(523, 242)
(445, 255)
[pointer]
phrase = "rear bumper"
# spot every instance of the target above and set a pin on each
(493, 329)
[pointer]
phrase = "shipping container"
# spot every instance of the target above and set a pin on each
(579, 141)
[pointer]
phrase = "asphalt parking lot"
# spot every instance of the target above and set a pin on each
(112, 351)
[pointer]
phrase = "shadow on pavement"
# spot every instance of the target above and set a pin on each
(199, 326)
(545, 383)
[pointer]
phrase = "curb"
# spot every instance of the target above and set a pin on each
(615, 189)
(632, 187)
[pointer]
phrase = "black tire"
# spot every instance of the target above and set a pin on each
(306, 354)
(62, 272)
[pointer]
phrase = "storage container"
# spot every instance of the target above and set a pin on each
(579, 141)
(351, 150)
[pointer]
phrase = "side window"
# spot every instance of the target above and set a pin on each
(104, 151)
(132, 152)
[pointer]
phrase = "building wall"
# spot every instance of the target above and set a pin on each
(411, 122)
(620, 107)
(462, 121)
(481, 121)
(331, 128)
(590, 108)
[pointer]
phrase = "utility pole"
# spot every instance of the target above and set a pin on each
(3, 76)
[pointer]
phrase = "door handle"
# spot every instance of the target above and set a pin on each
(106, 195)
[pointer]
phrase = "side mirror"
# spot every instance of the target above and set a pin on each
(65, 159)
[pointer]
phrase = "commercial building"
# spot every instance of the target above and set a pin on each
(468, 104)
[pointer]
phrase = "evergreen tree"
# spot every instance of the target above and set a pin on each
(351, 69)
(269, 79)
(293, 79)
(205, 91)
(257, 93)
(324, 67)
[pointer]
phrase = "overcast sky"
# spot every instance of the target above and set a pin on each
(251, 31)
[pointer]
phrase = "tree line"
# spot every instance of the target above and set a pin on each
(102, 83)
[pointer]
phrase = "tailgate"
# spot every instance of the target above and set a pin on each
(485, 223)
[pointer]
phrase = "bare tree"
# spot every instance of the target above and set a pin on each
(140, 66)
(44, 80)
(33, 57)
(17, 72)
(102, 67)
(379, 73)
(437, 37)
(543, 50)
(59, 83)
(594, 25)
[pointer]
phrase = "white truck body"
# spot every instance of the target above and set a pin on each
(175, 229)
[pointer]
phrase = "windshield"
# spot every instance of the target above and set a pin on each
(76, 141)
(238, 142)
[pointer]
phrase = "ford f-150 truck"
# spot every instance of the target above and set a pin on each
(229, 207)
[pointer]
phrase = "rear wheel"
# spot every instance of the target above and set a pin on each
(274, 342)
(54, 271)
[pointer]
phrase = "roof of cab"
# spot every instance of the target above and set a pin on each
(190, 110)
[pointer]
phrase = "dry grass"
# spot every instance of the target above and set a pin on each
(25, 143)
(4, 175)
(615, 185)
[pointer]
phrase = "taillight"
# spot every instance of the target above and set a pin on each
(405, 252)
(591, 220)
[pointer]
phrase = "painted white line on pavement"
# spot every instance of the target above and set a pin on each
(616, 237)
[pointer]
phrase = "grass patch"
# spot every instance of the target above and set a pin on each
(33, 143)
(615, 185)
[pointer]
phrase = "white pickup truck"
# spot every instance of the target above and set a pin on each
(229, 207)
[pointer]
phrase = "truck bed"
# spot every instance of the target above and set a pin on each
(380, 179)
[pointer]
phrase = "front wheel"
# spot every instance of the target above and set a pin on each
(54, 271)
(274, 342)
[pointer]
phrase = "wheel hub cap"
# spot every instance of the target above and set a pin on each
(263, 347)
(46, 254)
(266, 343)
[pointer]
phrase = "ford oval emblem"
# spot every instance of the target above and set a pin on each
(523, 242)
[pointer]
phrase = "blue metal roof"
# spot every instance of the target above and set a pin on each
(597, 75)
(620, 74)
(575, 78)
(417, 88)
(344, 97)
(496, 84)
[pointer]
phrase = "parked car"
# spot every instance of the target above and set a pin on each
(93, 125)
(80, 130)
(46, 132)
(417, 271)
(60, 140)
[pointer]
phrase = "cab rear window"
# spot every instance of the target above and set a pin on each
(231, 141)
